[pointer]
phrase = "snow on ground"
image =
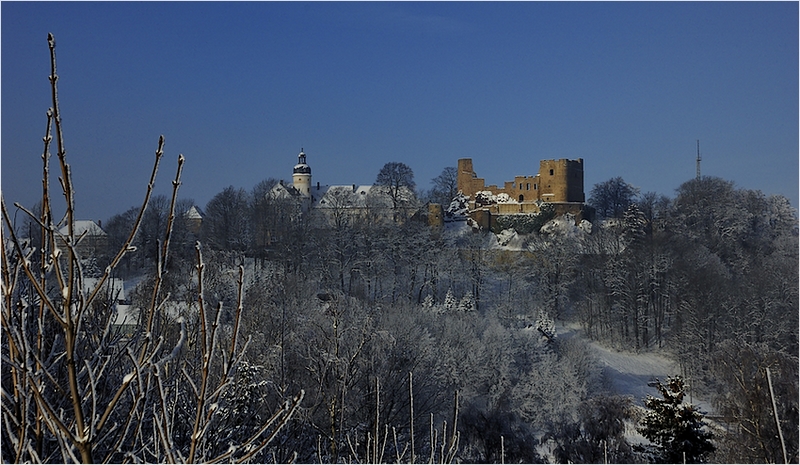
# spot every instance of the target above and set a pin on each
(629, 372)
(508, 239)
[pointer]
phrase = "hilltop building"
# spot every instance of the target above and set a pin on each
(301, 176)
(93, 240)
(194, 219)
(333, 199)
(558, 183)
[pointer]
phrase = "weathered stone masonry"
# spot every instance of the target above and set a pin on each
(559, 182)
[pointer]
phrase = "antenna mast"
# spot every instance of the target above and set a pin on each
(698, 159)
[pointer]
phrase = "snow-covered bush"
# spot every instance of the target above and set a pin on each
(505, 236)
(546, 325)
(503, 198)
(483, 198)
(565, 226)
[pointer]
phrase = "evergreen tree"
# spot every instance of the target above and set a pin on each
(458, 209)
(467, 303)
(546, 325)
(450, 302)
(675, 427)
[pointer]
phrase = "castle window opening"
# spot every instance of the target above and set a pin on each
(551, 172)
(521, 198)
(528, 186)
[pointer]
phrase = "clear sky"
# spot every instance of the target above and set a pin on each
(239, 88)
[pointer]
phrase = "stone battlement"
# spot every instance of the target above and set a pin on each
(557, 181)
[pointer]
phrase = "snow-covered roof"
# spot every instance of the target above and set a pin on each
(340, 196)
(88, 226)
(282, 191)
(194, 213)
(302, 168)
(348, 196)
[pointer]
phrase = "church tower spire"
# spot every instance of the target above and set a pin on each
(301, 175)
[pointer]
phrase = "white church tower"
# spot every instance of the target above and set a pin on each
(301, 177)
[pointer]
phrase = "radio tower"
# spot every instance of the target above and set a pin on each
(698, 159)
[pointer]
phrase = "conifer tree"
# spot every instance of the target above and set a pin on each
(675, 427)
(467, 303)
(450, 302)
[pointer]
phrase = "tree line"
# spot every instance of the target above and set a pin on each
(346, 302)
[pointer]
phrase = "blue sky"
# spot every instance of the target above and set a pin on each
(239, 88)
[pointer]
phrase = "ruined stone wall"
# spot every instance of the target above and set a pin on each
(435, 215)
(557, 181)
(466, 180)
(514, 208)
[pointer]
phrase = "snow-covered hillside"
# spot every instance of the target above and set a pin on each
(630, 373)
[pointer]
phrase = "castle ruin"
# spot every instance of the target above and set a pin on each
(558, 183)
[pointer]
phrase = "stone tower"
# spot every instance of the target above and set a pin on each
(301, 176)
(561, 180)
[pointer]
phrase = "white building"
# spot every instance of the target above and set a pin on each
(357, 199)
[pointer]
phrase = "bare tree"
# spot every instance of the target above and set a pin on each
(225, 225)
(75, 389)
(445, 186)
(398, 181)
(611, 198)
(260, 216)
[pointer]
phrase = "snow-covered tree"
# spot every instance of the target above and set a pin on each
(546, 325)
(599, 434)
(467, 303)
(458, 208)
(226, 224)
(675, 427)
(450, 303)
